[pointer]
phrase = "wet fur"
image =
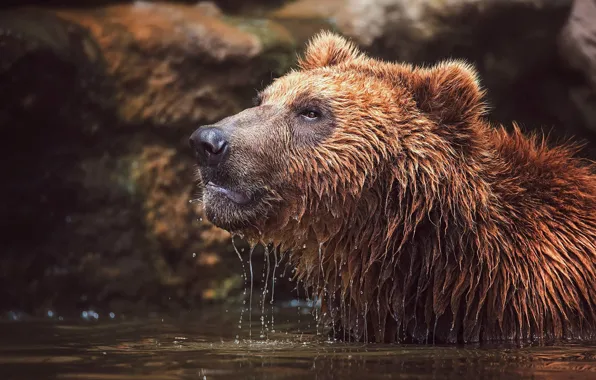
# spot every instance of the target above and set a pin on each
(416, 220)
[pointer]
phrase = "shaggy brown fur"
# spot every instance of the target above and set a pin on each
(411, 216)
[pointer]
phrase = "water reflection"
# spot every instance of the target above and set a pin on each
(205, 347)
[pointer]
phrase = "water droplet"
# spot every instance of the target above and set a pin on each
(194, 254)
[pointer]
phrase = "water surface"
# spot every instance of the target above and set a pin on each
(209, 345)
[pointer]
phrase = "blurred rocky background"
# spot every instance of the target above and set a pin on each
(98, 98)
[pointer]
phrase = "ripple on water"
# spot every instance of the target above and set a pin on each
(205, 346)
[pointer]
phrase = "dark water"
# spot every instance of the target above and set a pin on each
(209, 345)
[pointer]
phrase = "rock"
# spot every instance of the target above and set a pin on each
(405, 29)
(229, 6)
(306, 17)
(578, 39)
(170, 64)
(503, 38)
(578, 49)
(49, 66)
(96, 108)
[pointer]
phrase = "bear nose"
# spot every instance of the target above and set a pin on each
(210, 145)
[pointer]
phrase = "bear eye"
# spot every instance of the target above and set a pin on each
(310, 114)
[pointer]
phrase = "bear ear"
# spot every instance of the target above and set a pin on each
(328, 49)
(449, 92)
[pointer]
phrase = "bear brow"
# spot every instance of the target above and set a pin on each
(306, 100)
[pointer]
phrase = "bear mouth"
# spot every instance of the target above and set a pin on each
(232, 208)
(238, 197)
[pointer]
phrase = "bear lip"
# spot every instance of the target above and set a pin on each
(234, 196)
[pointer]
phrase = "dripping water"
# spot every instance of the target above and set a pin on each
(320, 292)
(350, 307)
(273, 289)
(435, 329)
(365, 325)
(357, 317)
(252, 248)
(266, 272)
(381, 326)
(343, 309)
(332, 295)
(298, 297)
(245, 280)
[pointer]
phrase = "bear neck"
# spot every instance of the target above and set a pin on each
(431, 253)
(439, 247)
(396, 237)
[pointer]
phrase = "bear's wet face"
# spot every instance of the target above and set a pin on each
(241, 158)
(233, 160)
(304, 146)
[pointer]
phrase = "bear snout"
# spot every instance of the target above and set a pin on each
(210, 144)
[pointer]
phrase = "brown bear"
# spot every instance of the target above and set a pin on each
(407, 213)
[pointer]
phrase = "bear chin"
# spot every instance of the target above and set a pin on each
(224, 215)
(232, 210)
